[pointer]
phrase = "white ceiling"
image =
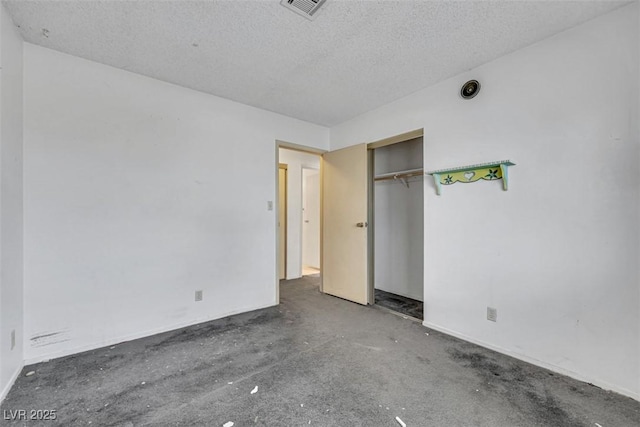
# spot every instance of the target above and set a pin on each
(357, 55)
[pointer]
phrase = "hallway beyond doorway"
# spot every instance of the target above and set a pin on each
(309, 271)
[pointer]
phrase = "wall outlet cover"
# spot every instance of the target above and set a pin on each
(198, 295)
(492, 314)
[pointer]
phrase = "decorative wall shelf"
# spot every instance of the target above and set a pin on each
(403, 176)
(487, 171)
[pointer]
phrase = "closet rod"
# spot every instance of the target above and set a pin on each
(399, 174)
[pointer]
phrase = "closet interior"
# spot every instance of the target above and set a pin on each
(398, 206)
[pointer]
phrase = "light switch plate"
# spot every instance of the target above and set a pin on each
(198, 295)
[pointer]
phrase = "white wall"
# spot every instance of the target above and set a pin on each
(11, 280)
(556, 254)
(137, 194)
(295, 161)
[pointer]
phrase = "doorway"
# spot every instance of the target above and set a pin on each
(303, 220)
(398, 212)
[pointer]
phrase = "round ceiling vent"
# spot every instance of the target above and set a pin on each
(470, 89)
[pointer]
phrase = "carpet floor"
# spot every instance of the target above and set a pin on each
(312, 360)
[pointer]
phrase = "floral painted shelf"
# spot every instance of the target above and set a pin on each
(487, 171)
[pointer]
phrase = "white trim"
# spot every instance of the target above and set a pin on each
(12, 380)
(602, 384)
(131, 337)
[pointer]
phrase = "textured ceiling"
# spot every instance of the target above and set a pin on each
(355, 56)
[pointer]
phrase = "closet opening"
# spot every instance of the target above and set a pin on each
(397, 205)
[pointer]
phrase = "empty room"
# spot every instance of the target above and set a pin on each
(319, 212)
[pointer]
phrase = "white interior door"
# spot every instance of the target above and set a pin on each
(344, 210)
(311, 217)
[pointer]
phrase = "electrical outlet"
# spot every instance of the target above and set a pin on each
(198, 295)
(492, 314)
(13, 339)
(269, 205)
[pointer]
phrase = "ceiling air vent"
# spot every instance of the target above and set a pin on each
(306, 8)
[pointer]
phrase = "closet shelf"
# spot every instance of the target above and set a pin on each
(403, 176)
(487, 171)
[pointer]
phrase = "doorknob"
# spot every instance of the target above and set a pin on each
(361, 224)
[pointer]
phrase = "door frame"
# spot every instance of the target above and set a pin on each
(283, 166)
(304, 149)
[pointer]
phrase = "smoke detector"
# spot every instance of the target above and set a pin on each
(470, 89)
(306, 8)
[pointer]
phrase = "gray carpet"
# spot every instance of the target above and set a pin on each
(315, 360)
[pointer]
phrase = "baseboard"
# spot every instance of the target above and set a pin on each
(135, 336)
(602, 384)
(12, 380)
